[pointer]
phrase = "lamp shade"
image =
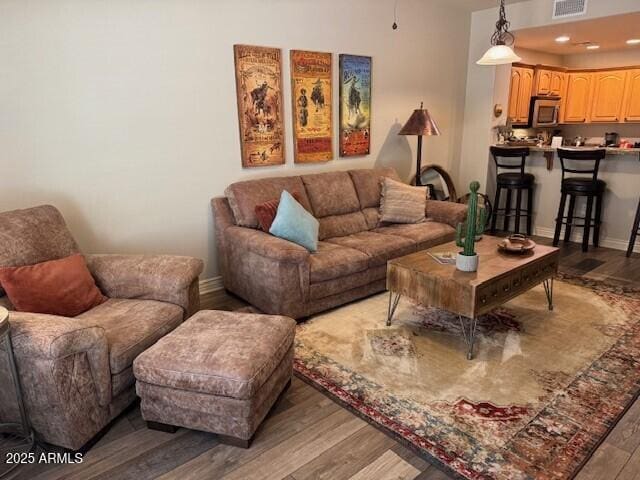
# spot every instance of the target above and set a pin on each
(499, 55)
(420, 123)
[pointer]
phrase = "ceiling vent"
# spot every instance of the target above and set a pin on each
(569, 8)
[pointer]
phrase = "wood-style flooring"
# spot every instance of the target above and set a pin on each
(308, 436)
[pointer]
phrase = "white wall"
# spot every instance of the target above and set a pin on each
(617, 58)
(123, 113)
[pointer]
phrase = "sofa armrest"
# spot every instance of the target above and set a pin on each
(43, 344)
(446, 212)
(265, 245)
(165, 278)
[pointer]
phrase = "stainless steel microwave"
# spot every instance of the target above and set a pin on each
(544, 112)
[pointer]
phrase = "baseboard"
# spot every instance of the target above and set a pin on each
(210, 285)
(614, 243)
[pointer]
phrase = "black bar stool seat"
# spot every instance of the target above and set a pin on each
(583, 186)
(514, 180)
(512, 158)
(581, 162)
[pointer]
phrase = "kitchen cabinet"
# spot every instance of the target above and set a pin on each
(548, 82)
(577, 101)
(631, 104)
(520, 94)
(608, 96)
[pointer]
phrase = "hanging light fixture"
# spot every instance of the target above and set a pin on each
(501, 41)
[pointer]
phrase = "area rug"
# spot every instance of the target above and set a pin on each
(544, 389)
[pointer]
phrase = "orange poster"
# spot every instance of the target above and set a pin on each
(312, 106)
(259, 92)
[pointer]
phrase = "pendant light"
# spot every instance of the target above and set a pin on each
(501, 41)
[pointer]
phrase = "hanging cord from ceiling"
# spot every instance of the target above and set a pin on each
(395, 16)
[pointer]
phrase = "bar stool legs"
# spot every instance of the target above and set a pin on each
(634, 232)
(589, 219)
(559, 219)
(518, 212)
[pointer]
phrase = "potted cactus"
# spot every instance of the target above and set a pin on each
(467, 259)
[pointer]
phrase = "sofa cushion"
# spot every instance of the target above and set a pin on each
(377, 246)
(372, 217)
(367, 184)
(57, 287)
(244, 196)
(402, 203)
(340, 285)
(333, 261)
(220, 353)
(266, 212)
(34, 235)
(331, 193)
(425, 235)
(295, 224)
(132, 326)
(342, 225)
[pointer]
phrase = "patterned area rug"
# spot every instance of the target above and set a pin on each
(544, 389)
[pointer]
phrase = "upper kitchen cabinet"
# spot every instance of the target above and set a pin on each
(631, 104)
(548, 82)
(520, 95)
(608, 96)
(575, 108)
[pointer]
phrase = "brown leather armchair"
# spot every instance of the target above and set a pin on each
(76, 373)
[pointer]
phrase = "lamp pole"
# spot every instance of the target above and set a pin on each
(419, 162)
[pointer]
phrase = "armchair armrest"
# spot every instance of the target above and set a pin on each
(40, 341)
(446, 212)
(165, 278)
(266, 245)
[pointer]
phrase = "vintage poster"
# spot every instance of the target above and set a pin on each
(355, 105)
(311, 98)
(259, 92)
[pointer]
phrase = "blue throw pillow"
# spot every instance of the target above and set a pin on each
(295, 224)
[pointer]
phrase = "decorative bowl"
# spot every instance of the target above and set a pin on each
(516, 243)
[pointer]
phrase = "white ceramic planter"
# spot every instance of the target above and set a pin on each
(467, 263)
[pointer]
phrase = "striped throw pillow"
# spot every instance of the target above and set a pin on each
(401, 203)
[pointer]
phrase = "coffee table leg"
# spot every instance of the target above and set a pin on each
(468, 326)
(394, 298)
(548, 290)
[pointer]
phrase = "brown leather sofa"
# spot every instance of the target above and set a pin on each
(280, 277)
(76, 373)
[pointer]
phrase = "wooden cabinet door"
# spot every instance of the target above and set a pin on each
(576, 105)
(543, 82)
(608, 94)
(632, 97)
(557, 79)
(514, 93)
(524, 95)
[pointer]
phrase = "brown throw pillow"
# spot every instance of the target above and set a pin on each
(57, 287)
(266, 212)
(401, 203)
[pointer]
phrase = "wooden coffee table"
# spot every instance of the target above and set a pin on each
(500, 277)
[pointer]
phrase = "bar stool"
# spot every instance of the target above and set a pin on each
(512, 181)
(634, 232)
(587, 162)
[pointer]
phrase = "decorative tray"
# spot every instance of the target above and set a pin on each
(516, 243)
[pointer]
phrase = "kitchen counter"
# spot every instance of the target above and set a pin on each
(548, 148)
(610, 150)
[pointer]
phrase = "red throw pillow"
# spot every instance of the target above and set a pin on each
(57, 287)
(266, 212)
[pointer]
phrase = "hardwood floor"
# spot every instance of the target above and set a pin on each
(308, 436)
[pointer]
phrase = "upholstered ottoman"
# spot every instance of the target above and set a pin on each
(219, 372)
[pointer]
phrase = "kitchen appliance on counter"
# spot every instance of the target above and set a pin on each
(611, 139)
(544, 111)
